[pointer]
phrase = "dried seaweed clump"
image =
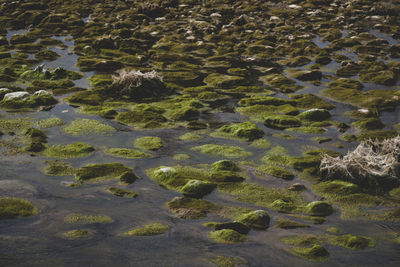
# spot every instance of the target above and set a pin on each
(373, 165)
(138, 85)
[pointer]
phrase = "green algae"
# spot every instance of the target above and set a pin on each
(127, 153)
(148, 143)
(227, 236)
(87, 219)
(314, 253)
(58, 168)
(277, 155)
(351, 241)
(75, 150)
(82, 127)
(50, 122)
(261, 143)
(181, 157)
(148, 230)
(223, 151)
(281, 122)
(15, 125)
(11, 208)
(284, 223)
(122, 192)
(225, 261)
(190, 137)
(191, 208)
(77, 234)
(276, 171)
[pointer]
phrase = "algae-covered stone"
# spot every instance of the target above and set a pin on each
(81, 127)
(122, 192)
(283, 205)
(75, 150)
(148, 230)
(227, 236)
(337, 188)
(11, 208)
(319, 208)
(246, 130)
(185, 114)
(196, 188)
(258, 219)
(225, 165)
(223, 151)
(282, 122)
(224, 81)
(149, 143)
(315, 114)
(140, 116)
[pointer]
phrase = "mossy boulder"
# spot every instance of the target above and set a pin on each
(319, 208)
(282, 122)
(258, 219)
(225, 165)
(17, 100)
(315, 115)
(237, 226)
(185, 114)
(277, 172)
(282, 205)
(246, 130)
(11, 208)
(369, 124)
(227, 236)
(191, 208)
(196, 188)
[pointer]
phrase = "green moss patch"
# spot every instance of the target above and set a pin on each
(191, 208)
(87, 219)
(276, 171)
(284, 223)
(127, 153)
(105, 171)
(77, 234)
(82, 127)
(148, 230)
(223, 151)
(58, 168)
(314, 253)
(11, 208)
(227, 236)
(75, 150)
(122, 192)
(351, 241)
(149, 143)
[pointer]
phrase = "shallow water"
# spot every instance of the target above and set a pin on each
(37, 241)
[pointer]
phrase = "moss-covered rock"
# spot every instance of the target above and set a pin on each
(225, 165)
(127, 153)
(314, 253)
(246, 130)
(319, 208)
(11, 208)
(237, 226)
(282, 122)
(284, 223)
(75, 150)
(224, 81)
(196, 188)
(315, 115)
(258, 219)
(227, 236)
(148, 230)
(77, 234)
(58, 168)
(149, 143)
(105, 171)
